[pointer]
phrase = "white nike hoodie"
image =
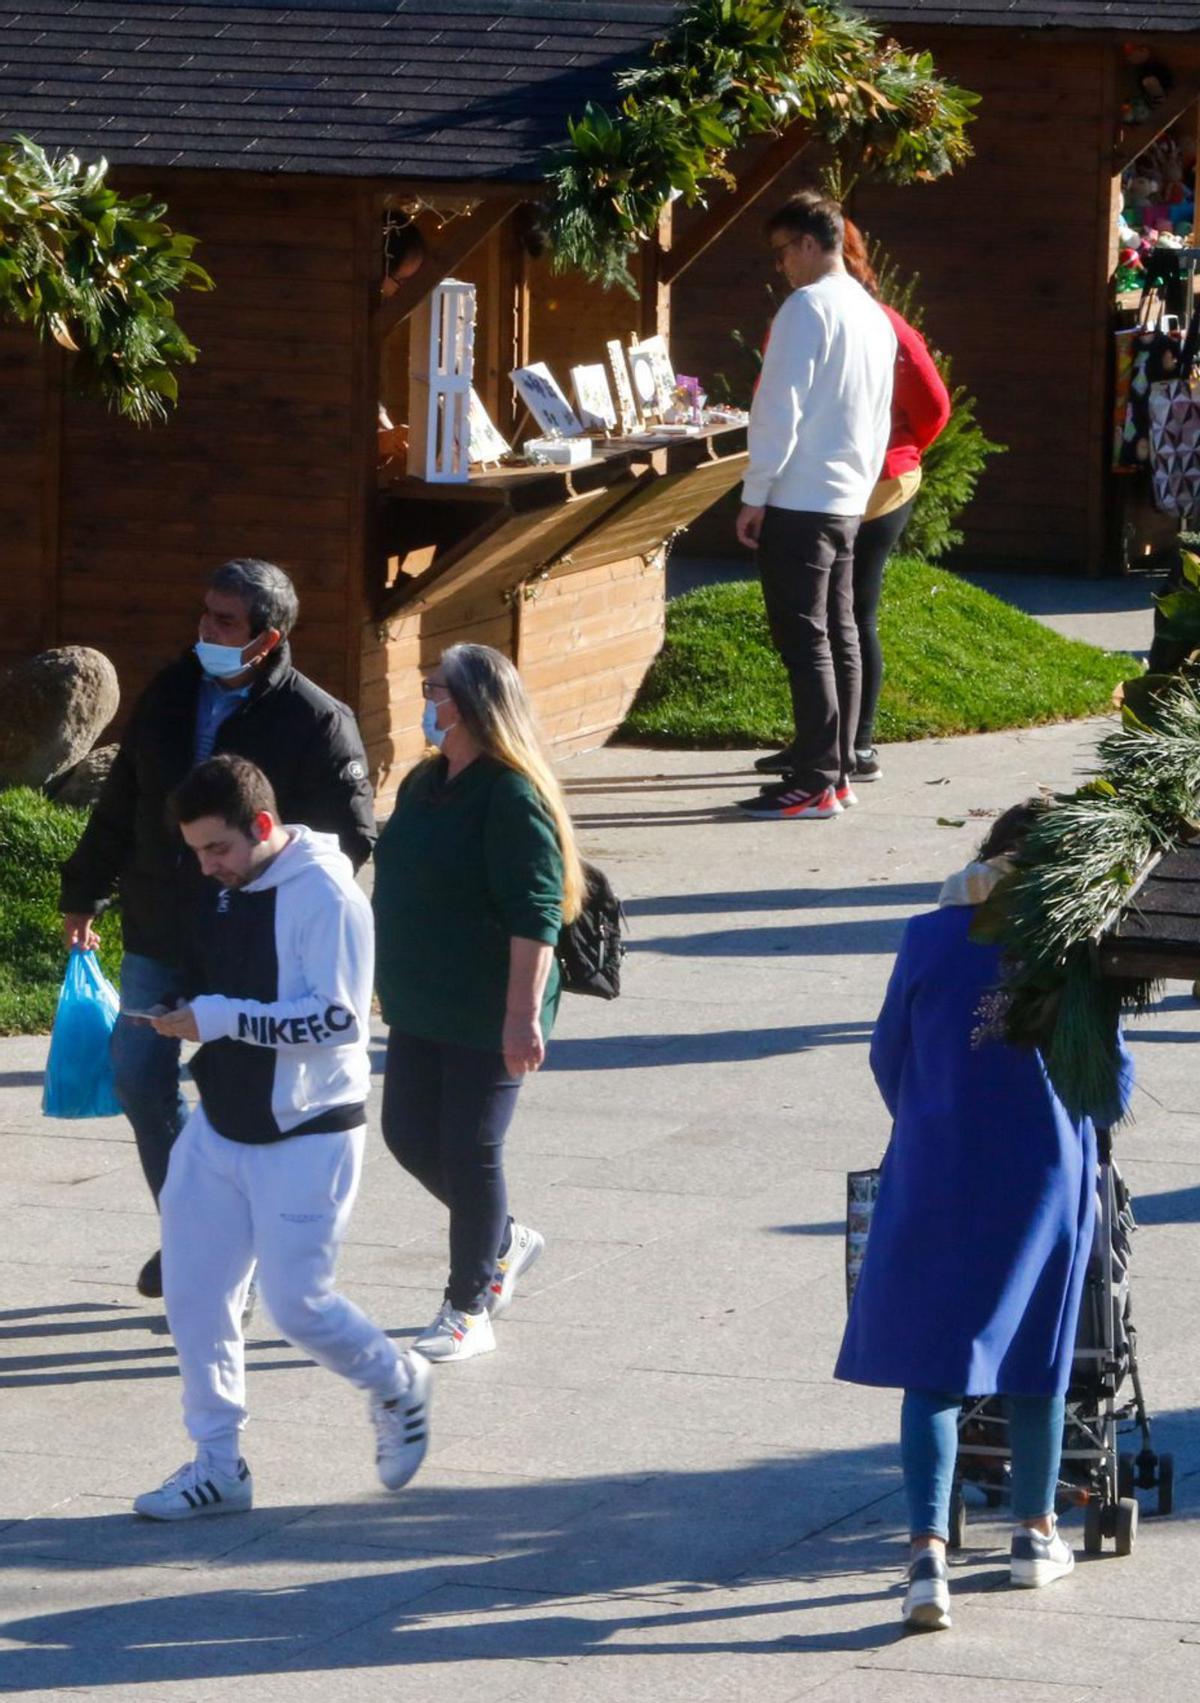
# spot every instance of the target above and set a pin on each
(286, 965)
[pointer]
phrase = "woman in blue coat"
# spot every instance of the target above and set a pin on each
(980, 1237)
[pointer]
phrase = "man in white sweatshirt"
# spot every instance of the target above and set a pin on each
(267, 1167)
(819, 430)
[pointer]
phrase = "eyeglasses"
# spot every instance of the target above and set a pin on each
(429, 687)
(779, 249)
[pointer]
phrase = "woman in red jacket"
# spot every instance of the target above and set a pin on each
(920, 409)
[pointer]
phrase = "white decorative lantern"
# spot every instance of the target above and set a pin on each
(441, 366)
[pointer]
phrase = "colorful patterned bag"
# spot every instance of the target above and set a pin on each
(1174, 411)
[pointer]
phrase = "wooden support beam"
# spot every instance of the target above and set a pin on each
(655, 307)
(1134, 139)
(751, 184)
(462, 238)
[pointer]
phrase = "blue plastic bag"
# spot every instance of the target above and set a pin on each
(79, 1077)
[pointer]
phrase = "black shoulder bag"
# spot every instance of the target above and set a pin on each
(590, 949)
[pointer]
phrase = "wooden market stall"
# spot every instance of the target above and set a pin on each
(286, 137)
(1016, 253)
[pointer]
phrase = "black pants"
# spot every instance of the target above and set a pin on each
(875, 542)
(446, 1111)
(806, 562)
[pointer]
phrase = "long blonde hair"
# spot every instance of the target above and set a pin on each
(490, 698)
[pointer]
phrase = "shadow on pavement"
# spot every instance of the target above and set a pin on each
(818, 939)
(534, 1571)
(915, 893)
(725, 1046)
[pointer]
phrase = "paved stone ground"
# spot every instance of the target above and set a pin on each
(654, 1490)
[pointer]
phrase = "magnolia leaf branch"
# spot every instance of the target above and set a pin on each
(732, 70)
(96, 273)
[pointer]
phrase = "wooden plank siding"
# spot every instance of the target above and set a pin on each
(1009, 274)
(30, 427)
(264, 456)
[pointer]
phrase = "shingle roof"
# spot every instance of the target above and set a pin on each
(1128, 16)
(410, 88)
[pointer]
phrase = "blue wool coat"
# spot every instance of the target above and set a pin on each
(980, 1238)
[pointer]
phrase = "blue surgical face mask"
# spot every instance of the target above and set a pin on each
(429, 725)
(219, 662)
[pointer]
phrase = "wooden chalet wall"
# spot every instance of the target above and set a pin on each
(264, 456)
(1013, 253)
(29, 471)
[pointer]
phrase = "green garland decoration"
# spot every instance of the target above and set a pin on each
(96, 273)
(1080, 866)
(731, 70)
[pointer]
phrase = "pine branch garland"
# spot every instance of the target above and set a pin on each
(1077, 871)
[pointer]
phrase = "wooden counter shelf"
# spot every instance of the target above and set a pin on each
(518, 523)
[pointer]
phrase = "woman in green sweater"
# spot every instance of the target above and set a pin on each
(475, 874)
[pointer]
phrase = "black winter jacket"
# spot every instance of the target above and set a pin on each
(305, 742)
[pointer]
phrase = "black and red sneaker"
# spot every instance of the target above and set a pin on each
(792, 802)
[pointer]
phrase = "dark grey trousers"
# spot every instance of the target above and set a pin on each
(806, 563)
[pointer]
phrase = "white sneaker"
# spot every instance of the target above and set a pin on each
(927, 1600)
(1035, 1560)
(524, 1248)
(198, 1489)
(402, 1425)
(454, 1335)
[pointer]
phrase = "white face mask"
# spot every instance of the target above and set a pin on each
(219, 662)
(429, 725)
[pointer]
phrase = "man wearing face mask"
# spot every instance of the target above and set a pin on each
(235, 691)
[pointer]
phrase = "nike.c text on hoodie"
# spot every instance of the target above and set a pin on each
(286, 965)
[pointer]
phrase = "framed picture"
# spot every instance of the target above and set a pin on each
(539, 391)
(486, 442)
(653, 376)
(593, 398)
(626, 406)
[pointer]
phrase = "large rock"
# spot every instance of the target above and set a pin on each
(55, 706)
(81, 785)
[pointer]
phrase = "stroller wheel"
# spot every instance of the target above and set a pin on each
(1126, 1475)
(1166, 1483)
(958, 1519)
(1093, 1529)
(1127, 1523)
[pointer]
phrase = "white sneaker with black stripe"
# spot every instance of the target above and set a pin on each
(402, 1425)
(198, 1488)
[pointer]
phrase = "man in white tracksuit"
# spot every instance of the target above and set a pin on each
(267, 1167)
(819, 430)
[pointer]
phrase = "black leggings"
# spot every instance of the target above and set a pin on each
(446, 1111)
(875, 542)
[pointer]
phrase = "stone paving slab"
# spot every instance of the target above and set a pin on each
(654, 1489)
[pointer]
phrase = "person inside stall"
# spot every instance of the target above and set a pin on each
(404, 254)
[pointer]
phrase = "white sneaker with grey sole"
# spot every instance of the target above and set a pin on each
(524, 1248)
(455, 1335)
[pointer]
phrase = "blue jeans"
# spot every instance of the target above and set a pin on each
(929, 1445)
(146, 1065)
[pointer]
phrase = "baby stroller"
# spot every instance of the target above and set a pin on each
(1094, 1471)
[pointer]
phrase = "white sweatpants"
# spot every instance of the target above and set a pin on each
(286, 1205)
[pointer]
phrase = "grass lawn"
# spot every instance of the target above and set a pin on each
(35, 837)
(958, 661)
